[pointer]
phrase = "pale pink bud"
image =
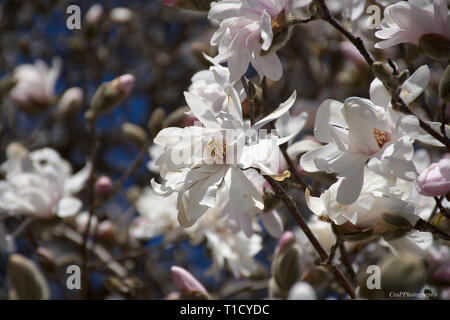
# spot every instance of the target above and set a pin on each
(121, 15)
(94, 15)
(349, 51)
(435, 180)
(186, 282)
(71, 101)
(170, 3)
(442, 273)
(190, 120)
(302, 291)
(126, 83)
(103, 185)
(286, 239)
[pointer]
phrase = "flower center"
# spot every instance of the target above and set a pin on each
(278, 22)
(381, 137)
(217, 149)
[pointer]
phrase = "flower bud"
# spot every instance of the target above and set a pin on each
(382, 71)
(35, 86)
(435, 46)
(402, 273)
(6, 84)
(189, 286)
(176, 118)
(442, 273)
(196, 5)
(155, 124)
(26, 279)
(444, 86)
(302, 291)
(121, 15)
(134, 133)
(71, 102)
(109, 95)
(94, 15)
(45, 257)
(106, 232)
(285, 266)
(133, 193)
(103, 185)
(435, 180)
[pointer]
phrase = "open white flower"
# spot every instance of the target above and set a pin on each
(379, 196)
(198, 161)
(41, 185)
(246, 33)
(408, 21)
(35, 85)
(232, 250)
(211, 86)
(235, 251)
(360, 130)
(158, 215)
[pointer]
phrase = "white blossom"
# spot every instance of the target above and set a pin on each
(379, 196)
(408, 21)
(246, 33)
(360, 130)
(41, 185)
(35, 84)
(212, 159)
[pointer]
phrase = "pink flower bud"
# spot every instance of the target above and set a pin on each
(442, 273)
(94, 15)
(186, 282)
(170, 3)
(286, 239)
(435, 180)
(126, 83)
(103, 185)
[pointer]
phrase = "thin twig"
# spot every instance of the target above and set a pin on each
(425, 226)
(359, 44)
(444, 211)
(290, 204)
(126, 174)
(344, 255)
(293, 170)
(91, 195)
(250, 98)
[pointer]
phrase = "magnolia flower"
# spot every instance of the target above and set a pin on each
(435, 180)
(360, 130)
(41, 185)
(408, 21)
(198, 161)
(157, 215)
(211, 84)
(379, 196)
(35, 85)
(247, 31)
(235, 251)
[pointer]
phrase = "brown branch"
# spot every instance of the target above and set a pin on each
(344, 255)
(251, 99)
(91, 195)
(425, 226)
(126, 174)
(290, 204)
(359, 44)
